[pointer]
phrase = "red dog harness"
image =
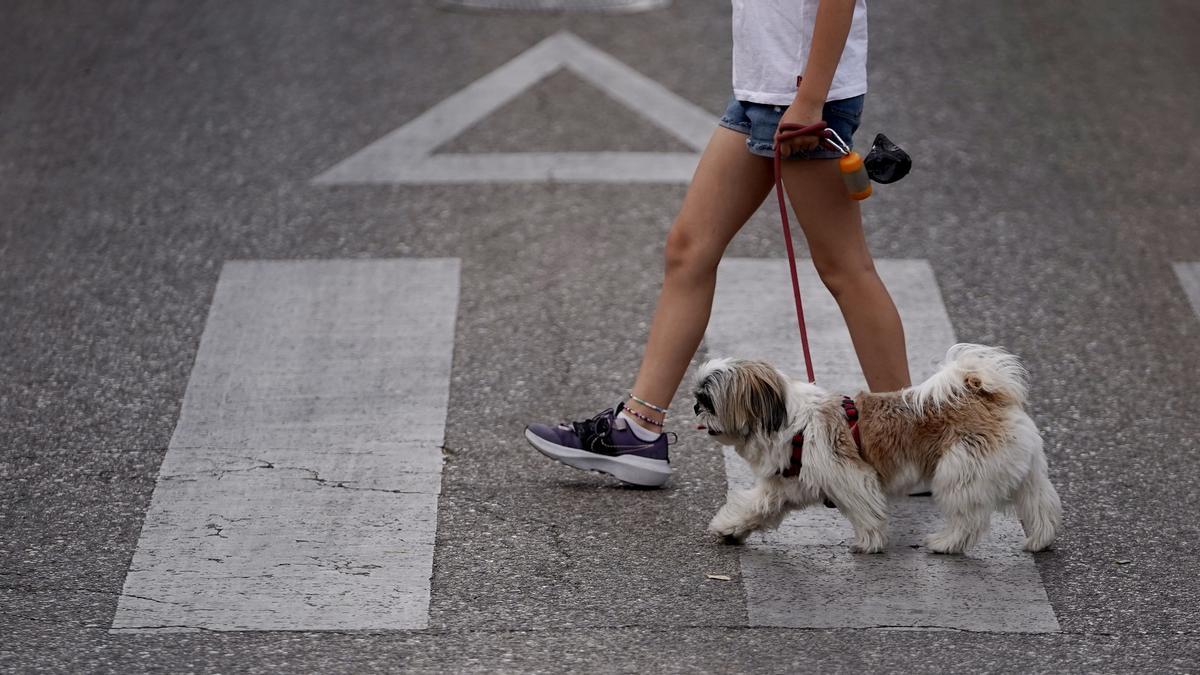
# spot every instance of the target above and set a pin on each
(851, 411)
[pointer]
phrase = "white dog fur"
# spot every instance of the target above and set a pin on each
(964, 431)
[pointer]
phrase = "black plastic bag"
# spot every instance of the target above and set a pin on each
(887, 162)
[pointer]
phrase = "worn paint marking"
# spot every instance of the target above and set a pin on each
(300, 488)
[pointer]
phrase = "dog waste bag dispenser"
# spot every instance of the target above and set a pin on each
(854, 174)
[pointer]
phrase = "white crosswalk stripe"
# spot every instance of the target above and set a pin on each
(300, 488)
(803, 575)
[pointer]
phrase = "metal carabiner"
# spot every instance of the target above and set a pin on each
(832, 138)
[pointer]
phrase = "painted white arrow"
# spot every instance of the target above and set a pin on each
(406, 154)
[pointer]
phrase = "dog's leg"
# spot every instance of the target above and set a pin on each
(860, 498)
(760, 507)
(1036, 501)
(970, 483)
(965, 523)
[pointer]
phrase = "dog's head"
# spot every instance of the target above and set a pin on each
(737, 400)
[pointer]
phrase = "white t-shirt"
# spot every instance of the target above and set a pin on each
(771, 39)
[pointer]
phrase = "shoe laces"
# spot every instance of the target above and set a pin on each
(599, 426)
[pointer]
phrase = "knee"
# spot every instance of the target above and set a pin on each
(844, 276)
(687, 254)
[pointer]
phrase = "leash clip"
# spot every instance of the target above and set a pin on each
(832, 138)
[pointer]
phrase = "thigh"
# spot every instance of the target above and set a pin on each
(831, 221)
(728, 187)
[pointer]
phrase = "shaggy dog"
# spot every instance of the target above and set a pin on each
(964, 432)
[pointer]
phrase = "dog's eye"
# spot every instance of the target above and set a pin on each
(703, 400)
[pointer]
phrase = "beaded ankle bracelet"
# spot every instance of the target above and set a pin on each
(648, 404)
(642, 417)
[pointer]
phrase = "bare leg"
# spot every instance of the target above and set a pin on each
(832, 224)
(728, 187)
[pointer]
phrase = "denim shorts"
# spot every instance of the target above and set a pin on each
(760, 120)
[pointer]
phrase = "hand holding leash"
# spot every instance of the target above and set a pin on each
(799, 115)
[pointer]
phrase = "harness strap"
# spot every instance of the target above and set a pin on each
(793, 467)
(796, 463)
(852, 419)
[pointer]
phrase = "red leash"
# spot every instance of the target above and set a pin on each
(785, 132)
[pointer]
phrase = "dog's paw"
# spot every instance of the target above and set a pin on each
(1035, 546)
(945, 543)
(865, 548)
(730, 538)
(727, 533)
(728, 530)
(873, 543)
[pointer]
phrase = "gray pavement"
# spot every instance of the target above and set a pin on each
(144, 145)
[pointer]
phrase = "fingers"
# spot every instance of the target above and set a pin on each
(791, 147)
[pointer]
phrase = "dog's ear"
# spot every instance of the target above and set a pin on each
(759, 393)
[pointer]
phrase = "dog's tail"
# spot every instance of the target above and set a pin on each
(972, 369)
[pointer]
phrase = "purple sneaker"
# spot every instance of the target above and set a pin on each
(606, 444)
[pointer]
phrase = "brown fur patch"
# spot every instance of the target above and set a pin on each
(896, 437)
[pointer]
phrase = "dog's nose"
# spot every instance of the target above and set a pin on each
(696, 408)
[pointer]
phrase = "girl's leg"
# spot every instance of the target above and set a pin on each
(729, 185)
(832, 224)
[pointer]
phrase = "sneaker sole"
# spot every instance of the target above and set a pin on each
(640, 471)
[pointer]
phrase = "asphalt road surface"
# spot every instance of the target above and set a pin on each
(281, 282)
